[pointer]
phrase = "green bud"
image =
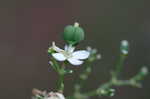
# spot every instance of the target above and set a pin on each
(111, 92)
(141, 74)
(144, 71)
(83, 76)
(73, 34)
(124, 47)
(68, 71)
(88, 70)
(50, 50)
(107, 92)
(77, 87)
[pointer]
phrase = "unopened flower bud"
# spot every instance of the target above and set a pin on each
(73, 34)
(51, 63)
(99, 56)
(124, 47)
(141, 74)
(89, 48)
(144, 70)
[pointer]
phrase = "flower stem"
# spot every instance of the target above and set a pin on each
(119, 66)
(103, 88)
(60, 70)
(61, 78)
(61, 83)
(85, 74)
(98, 90)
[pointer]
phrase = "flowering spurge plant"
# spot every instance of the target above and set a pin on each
(61, 58)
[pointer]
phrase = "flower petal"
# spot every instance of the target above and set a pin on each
(57, 49)
(74, 61)
(69, 49)
(59, 56)
(66, 47)
(81, 54)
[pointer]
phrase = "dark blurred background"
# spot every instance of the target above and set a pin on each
(27, 28)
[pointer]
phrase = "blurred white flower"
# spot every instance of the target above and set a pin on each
(54, 95)
(144, 70)
(124, 43)
(38, 94)
(99, 56)
(124, 47)
(89, 48)
(74, 57)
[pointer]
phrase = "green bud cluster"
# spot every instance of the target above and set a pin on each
(85, 75)
(73, 34)
(93, 54)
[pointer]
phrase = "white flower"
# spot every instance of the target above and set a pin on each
(55, 95)
(124, 44)
(38, 94)
(74, 57)
(144, 70)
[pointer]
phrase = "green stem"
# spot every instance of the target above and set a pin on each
(60, 70)
(102, 87)
(119, 66)
(61, 78)
(84, 76)
(61, 83)
(108, 85)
